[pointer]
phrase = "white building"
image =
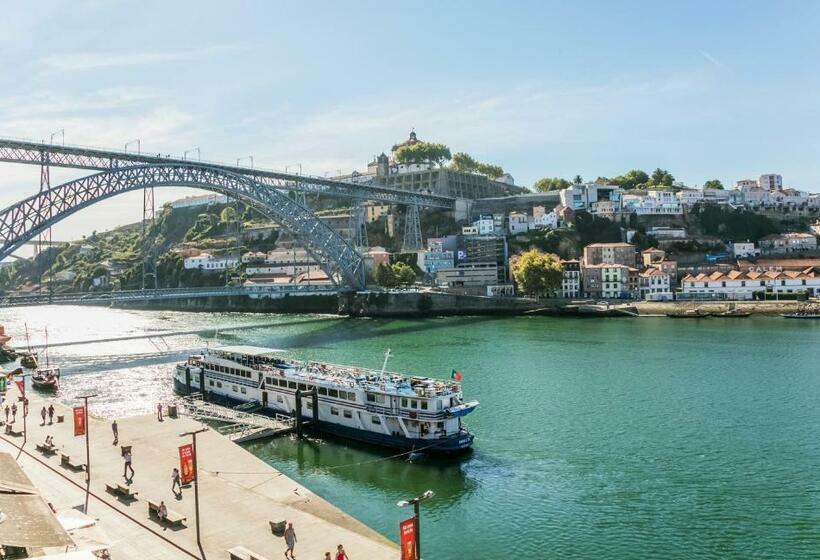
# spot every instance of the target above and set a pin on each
(666, 232)
(571, 279)
(202, 200)
(518, 223)
(745, 249)
(206, 261)
(485, 224)
(770, 182)
(689, 197)
(743, 285)
(655, 285)
(656, 203)
(544, 220)
(716, 196)
(788, 243)
(746, 184)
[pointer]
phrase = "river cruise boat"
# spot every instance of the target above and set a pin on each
(376, 407)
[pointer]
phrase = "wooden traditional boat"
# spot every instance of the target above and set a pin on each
(46, 379)
(689, 314)
(809, 311)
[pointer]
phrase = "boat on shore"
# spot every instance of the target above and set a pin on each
(808, 311)
(413, 413)
(46, 379)
(689, 314)
(732, 312)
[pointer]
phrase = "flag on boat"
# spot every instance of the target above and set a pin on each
(456, 375)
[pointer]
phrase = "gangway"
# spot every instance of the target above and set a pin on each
(238, 425)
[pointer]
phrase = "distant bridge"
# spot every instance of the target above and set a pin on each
(125, 296)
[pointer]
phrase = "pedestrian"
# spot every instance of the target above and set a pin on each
(13, 412)
(341, 554)
(327, 556)
(43, 414)
(7, 414)
(50, 414)
(116, 432)
(175, 481)
(159, 412)
(25, 406)
(290, 540)
(162, 511)
(127, 458)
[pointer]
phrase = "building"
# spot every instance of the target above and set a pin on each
(542, 219)
(610, 253)
(663, 233)
(770, 182)
(374, 257)
(655, 285)
(373, 211)
(654, 203)
(571, 280)
(477, 249)
(518, 223)
(605, 209)
(208, 262)
(607, 281)
(433, 260)
(485, 224)
(201, 200)
(468, 275)
(689, 197)
(582, 197)
(815, 228)
(746, 285)
(745, 249)
(779, 265)
(788, 243)
(746, 184)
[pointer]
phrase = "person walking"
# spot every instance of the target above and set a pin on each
(290, 540)
(127, 458)
(341, 554)
(116, 432)
(327, 556)
(50, 414)
(13, 412)
(159, 412)
(175, 481)
(43, 414)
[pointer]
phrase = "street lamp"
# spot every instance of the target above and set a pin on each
(198, 154)
(87, 451)
(25, 407)
(415, 501)
(246, 157)
(135, 141)
(196, 482)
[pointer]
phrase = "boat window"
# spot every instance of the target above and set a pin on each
(440, 425)
(233, 388)
(302, 386)
(283, 383)
(371, 397)
(414, 403)
(322, 391)
(438, 403)
(291, 385)
(309, 404)
(219, 384)
(268, 380)
(211, 382)
(424, 405)
(351, 396)
(375, 420)
(279, 398)
(244, 391)
(333, 392)
(404, 403)
(310, 387)
(334, 411)
(348, 414)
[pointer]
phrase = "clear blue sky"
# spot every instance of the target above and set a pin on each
(705, 89)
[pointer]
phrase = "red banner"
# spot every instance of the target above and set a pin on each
(407, 539)
(21, 386)
(79, 421)
(186, 463)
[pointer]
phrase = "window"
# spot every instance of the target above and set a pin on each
(348, 414)
(233, 388)
(291, 385)
(334, 411)
(333, 393)
(375, 420)
(302, 387)
(211, 382)
(243, 390)
(279, 398)
(414, 403)
(283, 383)
(268, 380)
(322, 391)
(351, 396)
(371, 397)
(219, 384)
(424, 405)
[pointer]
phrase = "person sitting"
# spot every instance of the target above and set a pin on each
(49, 441)
(162, 512)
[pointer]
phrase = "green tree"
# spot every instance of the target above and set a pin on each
(537, 274)
(547, 184)
(227, 215)
(577, 180)
(713, 184)
(385, 277)
(422, 152)
(403, 274)
(466, 163)
(633, 179)
(661, 177)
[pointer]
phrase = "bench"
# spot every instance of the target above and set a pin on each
(242, 553)
(173, 518)
(124, 491)
(45, 449)
(65, 460)
(278, 528)
(12, 432)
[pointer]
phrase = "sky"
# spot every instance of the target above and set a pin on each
(724, 90)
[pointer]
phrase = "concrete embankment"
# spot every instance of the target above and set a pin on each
(754, 307)
(244, 304)
(239, 493)
(428, 304)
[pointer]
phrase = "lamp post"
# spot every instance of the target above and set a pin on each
(87, 451)
(135, 141)
(25, 408)
(246, 157)
(196, 484)
(415, 501)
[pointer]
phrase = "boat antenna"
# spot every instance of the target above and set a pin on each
(28, 340)
(46, 348)
(386, 357)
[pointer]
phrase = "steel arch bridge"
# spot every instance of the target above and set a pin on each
(22, 221)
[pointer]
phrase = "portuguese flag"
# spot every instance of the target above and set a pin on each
(456, 375)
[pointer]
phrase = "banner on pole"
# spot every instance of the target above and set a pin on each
(186, 463)
(407, 539)
(21, 386)
(2, 384)
(79, 421)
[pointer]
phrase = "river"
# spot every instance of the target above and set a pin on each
(596, 438)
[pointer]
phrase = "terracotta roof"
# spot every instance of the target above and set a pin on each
(752, 275)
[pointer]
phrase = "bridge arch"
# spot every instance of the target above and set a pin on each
(23, 221)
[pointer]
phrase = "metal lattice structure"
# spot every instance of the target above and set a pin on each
(412, 230)
(358, 226)
(22, 221)
(19, 151)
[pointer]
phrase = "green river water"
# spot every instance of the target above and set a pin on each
(595, 438)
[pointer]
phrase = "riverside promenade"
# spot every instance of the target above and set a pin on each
(238, 493)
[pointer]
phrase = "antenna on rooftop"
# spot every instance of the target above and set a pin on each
(386, 357)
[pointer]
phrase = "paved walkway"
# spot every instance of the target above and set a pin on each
(239, 493)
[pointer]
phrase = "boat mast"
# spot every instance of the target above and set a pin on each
(386, 357)
(46, 348)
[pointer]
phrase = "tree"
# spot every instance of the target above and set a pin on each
(466, 163)
(661, 177)
(227, 215)
(547, 184)
(422, 152)
(713, 184)
(403, 274)
(577, 180)
(385, 276)
(537, 274)
(633, 179)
